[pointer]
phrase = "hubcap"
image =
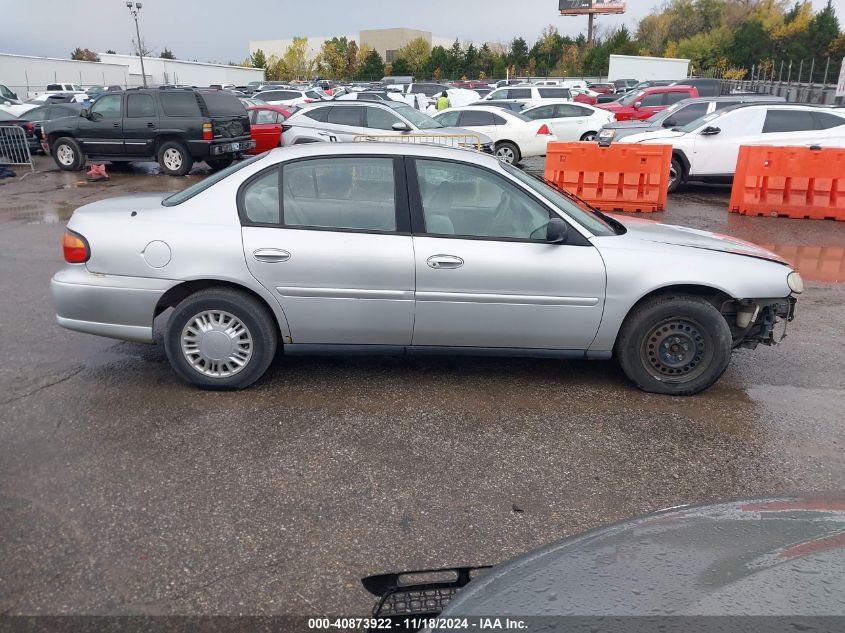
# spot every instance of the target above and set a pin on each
(676, 349)
(505, 154)
(65, 154)
(216, 344)
(172, 158)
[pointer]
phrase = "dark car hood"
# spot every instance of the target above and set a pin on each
(774, 556)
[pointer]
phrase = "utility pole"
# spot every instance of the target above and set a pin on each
(590, 18)
(134, 11)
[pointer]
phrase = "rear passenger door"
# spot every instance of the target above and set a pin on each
(345, 122)
(140, 125)
(330, 238)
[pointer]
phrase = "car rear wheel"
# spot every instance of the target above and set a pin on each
(68, 154)
(676, 174)
(220, 339)
(219, 163)
(677, 345)
(589, 136)
(174, 159)
(507, 152)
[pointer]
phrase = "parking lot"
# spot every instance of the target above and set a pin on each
(123, 490)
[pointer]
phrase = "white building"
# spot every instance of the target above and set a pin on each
(178, 71)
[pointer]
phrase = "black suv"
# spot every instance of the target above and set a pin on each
(174, 126)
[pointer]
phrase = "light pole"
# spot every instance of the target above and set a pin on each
(134, 11)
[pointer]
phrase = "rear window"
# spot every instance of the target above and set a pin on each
(825, 120)
(317, 114)
(180, 104)
(519, 93)
(788, 121)
(186, 194)
(223, 104)
(554, 93)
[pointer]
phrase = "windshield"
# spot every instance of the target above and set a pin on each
(697, 123)
(659, 116)
(5, 92)
(575, 209)
(631, 97)
(417, 118)
(186, 194)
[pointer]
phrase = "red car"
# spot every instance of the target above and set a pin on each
(641, 104)
(583, 97)
(602, 88)
(265, 126)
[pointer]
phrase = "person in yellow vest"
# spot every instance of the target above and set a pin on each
(443, 101)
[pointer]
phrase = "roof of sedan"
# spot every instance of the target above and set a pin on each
(427, 150)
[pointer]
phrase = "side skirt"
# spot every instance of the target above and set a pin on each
(314, 349)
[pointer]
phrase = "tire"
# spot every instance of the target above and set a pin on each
(217, 164)
(507, 152)
(674, 344)
(221, 309)
(174, 159)
(68, 154)
(589, 136)
(676, 174)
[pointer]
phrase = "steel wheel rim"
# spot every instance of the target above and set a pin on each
(216, 344)
(506, 154)
(677, 350)
(65, 154)
(172, 158)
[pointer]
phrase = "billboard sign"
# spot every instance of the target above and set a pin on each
(582, 7)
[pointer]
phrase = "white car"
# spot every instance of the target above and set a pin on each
(514, 136)
(571, 121)
(533, 94)
(289, 97)
(707, 148)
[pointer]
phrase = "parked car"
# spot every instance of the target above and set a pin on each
(38, 116)
(725, 566)
(365, 95)
(288, 97)
(513, 106)
(641, 104)
(514, 136)
(60, 97)
(527, 94)
(583, 95)
(602, 88)
(570, 121)
(343, 121)
(7, 97)
(265, 125)
(651, 83)
(624, 85)
(173, 126)
(248, 102)
(705, 87)
(12, 145)
(410, 249)
(677, 115)
(95, 91)
(707, 148)
(430, 89)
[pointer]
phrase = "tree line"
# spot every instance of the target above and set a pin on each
(725, 35)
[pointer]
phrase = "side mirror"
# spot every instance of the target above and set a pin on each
(710, 130)
(399, 126)
(84, 113)
(638, 105)
(557, 231)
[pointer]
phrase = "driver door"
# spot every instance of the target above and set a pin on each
(485, 276)
(102, 132)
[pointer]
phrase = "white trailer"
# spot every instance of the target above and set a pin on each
(643, 68)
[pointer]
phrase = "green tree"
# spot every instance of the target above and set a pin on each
(438, 59)
(296, 59)
(258, 60)
(454, 61)
(372, 66)
(400, 67)
(84, 54)
(166, 53)
(471, 61)
(416, 54)
(825, 30)
(519, 54)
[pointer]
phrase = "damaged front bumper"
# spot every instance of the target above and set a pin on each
(753, 321)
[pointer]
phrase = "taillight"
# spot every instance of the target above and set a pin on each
(309, 100)
(28, 125)
(207, 132)
(75, 247)
(544, 130)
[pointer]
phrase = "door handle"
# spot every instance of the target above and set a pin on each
(444, 261)
(151, 124)
(270, 255)
(115, 124)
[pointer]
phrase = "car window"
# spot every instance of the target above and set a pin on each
(471, 118)
(346, 115)
(222, 103)
(36, 114)
(543, 112)
(788, 121)
(567, 110)
(686, 114)
(418, 119)
(448, 119)
(209, 181)
(653, 99)
(675, 96)
(554, 93)
(464, 200)
(502, 93)
(498, 120)
(266, 116)
(107, 107)
(380, 119)
(519, 93)
(721, 105)
(340, 193)
(179, 104)
(140, 105)
(317, 114)
(825, 120)
(313, 95)
(52, 87)
(631, 97)
(261, 198)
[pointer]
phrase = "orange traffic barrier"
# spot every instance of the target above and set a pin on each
(793, 182)
(621, 177)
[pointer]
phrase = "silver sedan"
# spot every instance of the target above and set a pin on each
(377, 248)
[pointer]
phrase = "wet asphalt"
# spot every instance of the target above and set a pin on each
(124, 491)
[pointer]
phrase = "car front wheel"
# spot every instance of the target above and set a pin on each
(220, 339)
(68, 154)
(677, 345)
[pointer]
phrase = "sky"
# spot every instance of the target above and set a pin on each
(220, 30)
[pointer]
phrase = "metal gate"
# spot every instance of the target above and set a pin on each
(14, 148)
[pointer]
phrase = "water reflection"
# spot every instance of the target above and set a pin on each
(815, 263)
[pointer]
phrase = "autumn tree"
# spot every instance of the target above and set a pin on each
(84, 54)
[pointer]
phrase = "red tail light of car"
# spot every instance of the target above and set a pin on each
(207, 131)
(544, 130)
(75, 247)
